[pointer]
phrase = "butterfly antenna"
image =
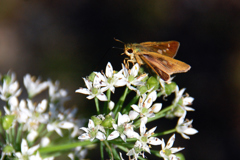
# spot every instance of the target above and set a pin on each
(118, 40)
(101, 60)
(117, 48)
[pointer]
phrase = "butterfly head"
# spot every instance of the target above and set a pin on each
(129, 49)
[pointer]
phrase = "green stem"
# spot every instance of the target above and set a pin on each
(101, 150)
(13, 135)
(165, 132)
(19, 132)
(40, 128)
(10, 135)
(120, 102)
(160, 114)
(160, 94)
(65, 146)
(110, 149)
(128, 106)
(7, 138)
(156, 153)
(97, 105)
(106, 110)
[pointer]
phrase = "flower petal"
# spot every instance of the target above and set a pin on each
(83, 91)
(134, 70)
(66, 125)
(102, 97)
(154, 141)
(174, 150)
(156, 107)
(109, 70)
(170, 141)
(100, 136)
(113, 135)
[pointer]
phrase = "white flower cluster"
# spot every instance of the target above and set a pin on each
(28, 122)
(120, 121)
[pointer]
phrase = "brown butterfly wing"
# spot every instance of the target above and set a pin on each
(168, 48)
(164, 66)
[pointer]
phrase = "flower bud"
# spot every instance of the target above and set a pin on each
(152, 82)
(96, 120)
(142, 89)
(91, 77)
(8, 149)
(111, 105)
(7, 121)
(169, 88)
(180, 156)
(107, 122)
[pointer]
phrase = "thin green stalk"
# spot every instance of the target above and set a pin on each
(48, 134)
(101, 150)
(120, 102)
(1, 129)
(97, 105)
(110, 149)
(128, 106)
(125, 149)
(159, 115)
(156, 153)
(160, 94)
(40, 128)
(115, 154)
(65, 146)
(106, 110)
(10, 135)
(7, 138)
(165, 132)
(19, 133)
(13, 135)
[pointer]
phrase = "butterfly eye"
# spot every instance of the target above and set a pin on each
(130, 51)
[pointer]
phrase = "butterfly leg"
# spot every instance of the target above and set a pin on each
(126, 62)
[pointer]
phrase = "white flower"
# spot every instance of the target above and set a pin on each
(10, 87)
(180, 104)
(38, 157)
(132, 78)
(185, 127)
(58, 125)
(145, 137)
(111, 105)
(123, 128)
(69, 115)
(92, 132)
(111, 79)
(45, 141)
(144, 105)
(56, 94)
(32, 135)
(34, 86)
(36, 115)
(93, 89)
(19, 110)
(186, 100)
(133, 115)
(136, 150)
(168, 151)
(25, 151)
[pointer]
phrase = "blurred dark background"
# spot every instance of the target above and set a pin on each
(68, 39)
